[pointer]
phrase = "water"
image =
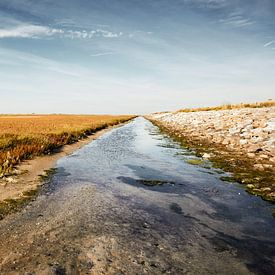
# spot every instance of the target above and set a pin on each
(100, 215)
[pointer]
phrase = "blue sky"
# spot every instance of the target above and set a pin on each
(134, 56)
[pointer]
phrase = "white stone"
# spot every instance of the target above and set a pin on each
(206, 156)
(243, 142)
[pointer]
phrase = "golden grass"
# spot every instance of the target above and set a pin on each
(25, 136)
(270, 103)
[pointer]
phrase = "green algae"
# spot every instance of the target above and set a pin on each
(205, 166)
(218, 171)
(224, 160)
(9, 206)
(47, 174)
(154, 182)
(194, 161)
(30, 193)
(228, 179)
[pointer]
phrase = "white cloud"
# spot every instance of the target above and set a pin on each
(36, 31)
(28, 31)
(102, 54)
(85, 34)
(108, 34)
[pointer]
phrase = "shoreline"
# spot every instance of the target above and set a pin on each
(243, 168)
(24, 183)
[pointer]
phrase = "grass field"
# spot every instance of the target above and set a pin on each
(270, 103)
(25, 136)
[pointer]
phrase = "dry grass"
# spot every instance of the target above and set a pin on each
(270, 103)
(25, 136)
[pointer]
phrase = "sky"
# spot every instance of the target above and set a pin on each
(134, 56)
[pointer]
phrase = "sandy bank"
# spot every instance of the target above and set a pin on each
(27, 176)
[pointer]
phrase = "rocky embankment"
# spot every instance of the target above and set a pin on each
(241, 141)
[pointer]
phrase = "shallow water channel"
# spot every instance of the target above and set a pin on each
(129, 203)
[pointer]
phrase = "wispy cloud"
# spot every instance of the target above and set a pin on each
(236, 20)
(102, 54)
(38, 31)
(28, 31)
(269, 43)
(85, 34)
(65, 22)
(211, 4)
(16, 58)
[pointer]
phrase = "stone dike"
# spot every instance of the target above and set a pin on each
(240, 141)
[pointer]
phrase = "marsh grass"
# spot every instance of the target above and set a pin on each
(25, 136)
(270, 103)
